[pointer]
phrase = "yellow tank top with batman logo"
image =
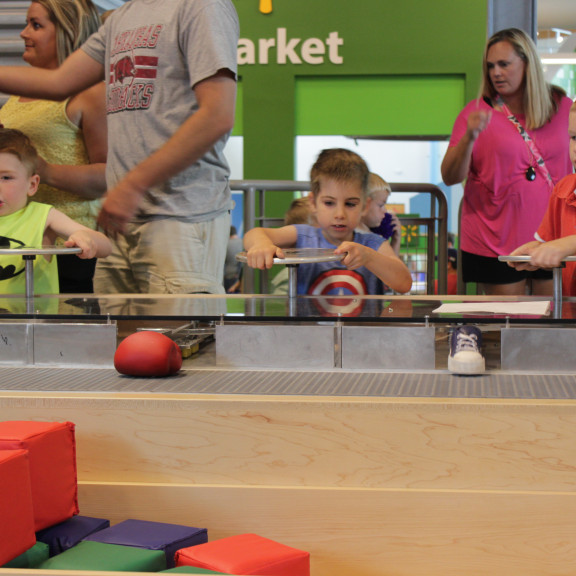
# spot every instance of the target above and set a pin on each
(26, 228)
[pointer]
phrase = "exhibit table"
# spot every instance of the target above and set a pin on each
(556, 275)
(29, 254)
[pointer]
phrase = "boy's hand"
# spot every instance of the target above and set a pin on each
(524, 250)
(83, 240)
(550, 254)
(262, 256)
(356, 256)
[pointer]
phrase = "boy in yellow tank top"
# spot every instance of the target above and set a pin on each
(32, 224)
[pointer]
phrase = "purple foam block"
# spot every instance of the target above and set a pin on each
(152, 536)
(67, 534)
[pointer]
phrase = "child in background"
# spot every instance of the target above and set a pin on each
(300, 212)
(339, 180)
(452, 275)
(555, 238)
(34, 224)
(233, 268)
(376, 217)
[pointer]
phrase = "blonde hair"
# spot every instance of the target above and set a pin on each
(341, 165)
(18, 144)
(377, 184)
(540, 97)
(75, 21)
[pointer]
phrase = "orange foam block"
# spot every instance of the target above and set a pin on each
(52, 456)
(246, 554)
(17, 525)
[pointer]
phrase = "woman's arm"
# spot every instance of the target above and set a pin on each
(78, 72)
(88, 111)
(456, 162)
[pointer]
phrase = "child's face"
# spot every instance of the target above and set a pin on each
(16, 184)
(572, 134)
(338, 209)
(375, 208)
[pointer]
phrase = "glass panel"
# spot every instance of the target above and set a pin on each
(244, 308)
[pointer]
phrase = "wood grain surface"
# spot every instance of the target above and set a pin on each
(370, 486)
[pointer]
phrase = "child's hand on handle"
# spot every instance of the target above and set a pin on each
(262, 256)
(84, 241)
(356, 255)
(550, 254)
(524, 250)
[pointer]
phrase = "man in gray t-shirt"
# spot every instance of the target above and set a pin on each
(170, 72)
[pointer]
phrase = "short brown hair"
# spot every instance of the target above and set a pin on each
(299, 212)
(18, 144)
(341, 165)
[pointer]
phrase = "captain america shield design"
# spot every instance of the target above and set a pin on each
(337, 283)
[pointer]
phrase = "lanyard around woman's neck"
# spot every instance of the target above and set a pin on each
(530, 173)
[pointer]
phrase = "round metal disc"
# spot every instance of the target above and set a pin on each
(301, 256)
(42, 250)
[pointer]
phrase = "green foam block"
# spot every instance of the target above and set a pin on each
(32, 558)
(107, 557)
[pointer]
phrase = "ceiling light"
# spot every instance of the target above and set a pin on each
(559, 59)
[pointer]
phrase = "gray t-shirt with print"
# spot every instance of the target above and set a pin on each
(154, 52)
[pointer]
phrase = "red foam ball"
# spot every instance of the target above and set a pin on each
(148, 354)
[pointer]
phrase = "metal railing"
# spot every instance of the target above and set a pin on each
(254, 205)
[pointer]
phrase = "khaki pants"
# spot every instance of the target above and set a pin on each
(167, 256)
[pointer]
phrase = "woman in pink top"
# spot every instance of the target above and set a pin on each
(507, 185)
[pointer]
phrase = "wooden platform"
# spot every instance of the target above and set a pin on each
(371, 485)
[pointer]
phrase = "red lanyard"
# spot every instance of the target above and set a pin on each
(529, 142)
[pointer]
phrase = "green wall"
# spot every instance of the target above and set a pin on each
(364, 67)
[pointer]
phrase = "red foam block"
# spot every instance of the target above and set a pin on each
(52, 456)
(246, 554)
(17, 525)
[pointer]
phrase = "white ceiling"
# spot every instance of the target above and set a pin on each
(556, 14)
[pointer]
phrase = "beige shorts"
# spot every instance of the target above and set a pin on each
(167, 256)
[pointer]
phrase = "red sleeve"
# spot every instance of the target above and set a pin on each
(551, 226)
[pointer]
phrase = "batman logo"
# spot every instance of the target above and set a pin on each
(7, 272)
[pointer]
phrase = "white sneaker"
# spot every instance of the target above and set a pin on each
(465, 351)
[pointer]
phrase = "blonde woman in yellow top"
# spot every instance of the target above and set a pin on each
(70, 136)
